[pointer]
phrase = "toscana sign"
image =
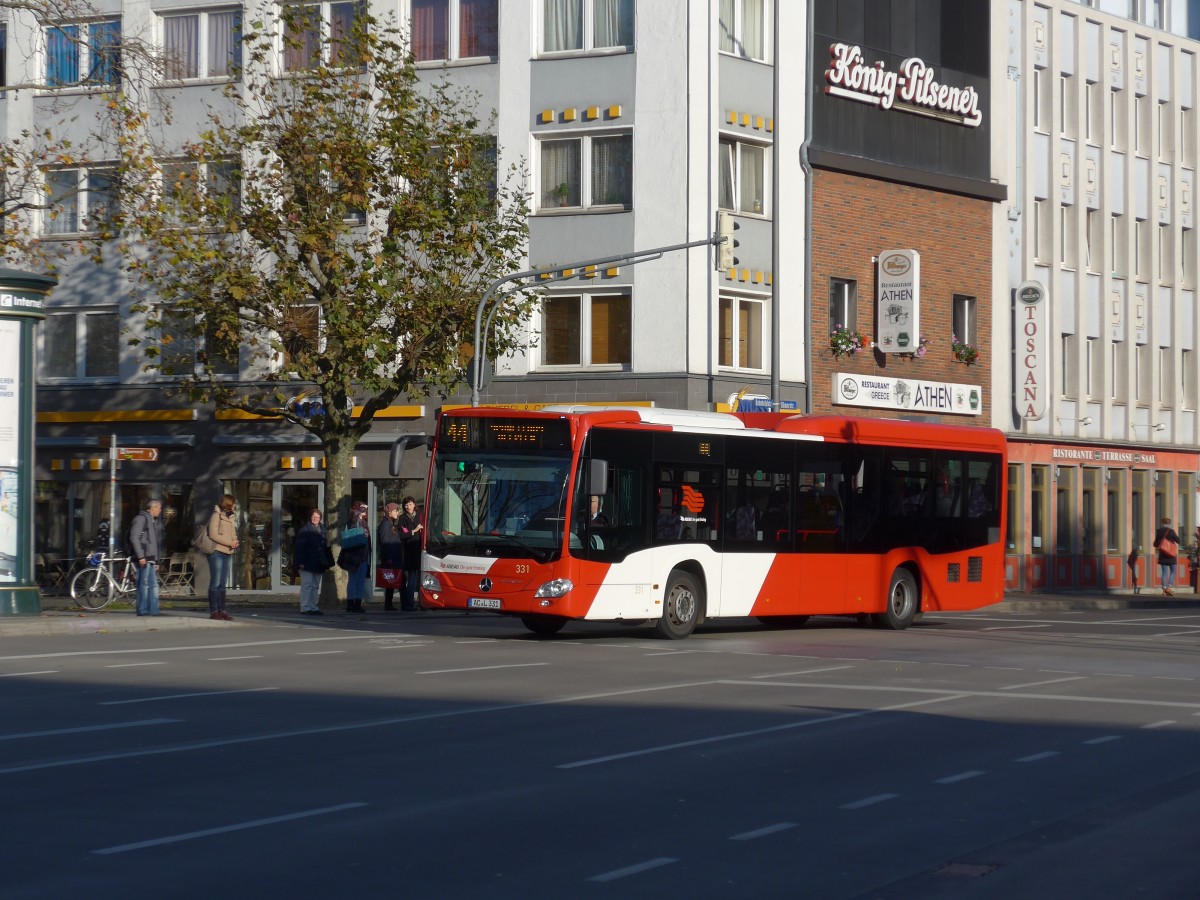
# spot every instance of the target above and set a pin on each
(912, 89)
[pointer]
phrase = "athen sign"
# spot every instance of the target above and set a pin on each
(912, 89)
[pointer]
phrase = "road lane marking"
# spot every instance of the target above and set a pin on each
(803, 672)
(1175, 634)
(1017, 687)
(319, 652)
(1038, 757)
(23, 674)
(226, 829)
(1104, 740)
(1163, 724)
(131, 665)
(81, 729)
(1012, 627)
(869, 801)
(762, 832)
(227, 658)
(754, 732)
(635, 869)
(673, 653)
(961, 776)
(186, 696)
(479, 641)
(368, 635)
(481, 668)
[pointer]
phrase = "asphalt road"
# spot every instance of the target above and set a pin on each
(991, 754)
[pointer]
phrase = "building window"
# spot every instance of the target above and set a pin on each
(843, 304)
(81, 344)
(1093, 369)
(964, 319)
(1039, 104)
(1116, 371)
(1066, 107)
(1067, 376)
(1141, 125)
(183, 182)
(1166, 263)
(1091, 114)
(1066, 234)
(740, 333)
(1041, 231)
(183, 353)
(454, 29)
(1095, 249)
(84, 54)
(743, 176)
(586, 25)
(1141, 384)
(78, 200)
(1166, 380)
(607, 158)
(202, 45)
(1141, 249)
(319, 34)
(743, 28)
(1117, 245)
(1187, 378)
(587, 330)
(3, 57)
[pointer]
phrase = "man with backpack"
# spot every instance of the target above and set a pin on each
(145, 546)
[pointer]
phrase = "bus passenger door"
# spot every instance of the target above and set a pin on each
(821, 527)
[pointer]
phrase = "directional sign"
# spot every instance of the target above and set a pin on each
(138, 454)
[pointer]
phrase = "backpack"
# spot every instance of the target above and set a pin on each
(202, 542)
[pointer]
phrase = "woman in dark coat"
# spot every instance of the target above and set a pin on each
(312, 544)
(410, 532)
(390, 542)
(356, 560)
(1166, 559)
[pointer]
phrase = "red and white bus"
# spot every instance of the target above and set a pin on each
(679, 517)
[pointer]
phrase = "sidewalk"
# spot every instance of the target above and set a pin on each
(60, 616)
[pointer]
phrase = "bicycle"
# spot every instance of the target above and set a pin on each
(95, 586)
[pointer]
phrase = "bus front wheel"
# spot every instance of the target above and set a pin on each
(681, 607)
(544, 626)
(901, 602)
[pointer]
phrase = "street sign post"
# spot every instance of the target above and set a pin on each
(137, 454)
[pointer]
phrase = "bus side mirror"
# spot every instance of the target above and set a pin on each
(402, 443)
(597, 476)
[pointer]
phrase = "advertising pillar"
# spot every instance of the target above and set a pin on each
(22, 303)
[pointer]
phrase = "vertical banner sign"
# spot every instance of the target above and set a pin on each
(10, 443)
(898, 306)
(1032, 351)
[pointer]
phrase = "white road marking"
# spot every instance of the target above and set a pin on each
(961, 776)
(186, 696)
(672, 653)
(1104, 740)
(319, 652)
(228, 646)
(737, 735)
(869, 801)
(227, 658)
(1012, 627)
(131, 665)
(634, 870)
(762, 832)
(480, 641)
(1038, 757)
(1163, 724)
(1017, 687)
(1177, 634)
(85, 728)
(23, 674)
(225, 829)
(481, 668)
(803, 672)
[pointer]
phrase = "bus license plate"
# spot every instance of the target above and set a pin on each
(483, 602)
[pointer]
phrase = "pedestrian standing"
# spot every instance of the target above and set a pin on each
(145, 543)
(311, 555)
(1166, 542)
(356, 560)
(391, 552)
(222, 531)
(1132, 562)
(410, 532)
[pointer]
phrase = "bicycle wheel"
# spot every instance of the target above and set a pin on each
(92, 589)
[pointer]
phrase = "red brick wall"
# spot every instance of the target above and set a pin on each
(854, 219)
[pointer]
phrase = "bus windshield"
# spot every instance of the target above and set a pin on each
(498, 505)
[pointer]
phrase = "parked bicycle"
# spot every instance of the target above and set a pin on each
(95, 586)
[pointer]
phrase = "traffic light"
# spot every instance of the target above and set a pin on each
(726, 226)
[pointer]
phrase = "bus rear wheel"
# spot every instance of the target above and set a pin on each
(681, 607)
(544, 626)
(901, 602)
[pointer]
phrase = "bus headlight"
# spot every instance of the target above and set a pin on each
(430, 582)
(555, 588)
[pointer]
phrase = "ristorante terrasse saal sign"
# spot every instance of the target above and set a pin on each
(912, 88)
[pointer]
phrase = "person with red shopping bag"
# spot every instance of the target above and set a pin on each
(389, 575)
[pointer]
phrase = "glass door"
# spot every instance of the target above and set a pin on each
(294, 502)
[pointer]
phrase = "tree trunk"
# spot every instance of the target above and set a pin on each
(338, 453)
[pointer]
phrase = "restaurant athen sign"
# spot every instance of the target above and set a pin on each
(912, 88)
(908, 394)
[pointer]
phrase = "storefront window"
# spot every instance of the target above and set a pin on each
(1013, 529)
(1038, 511)
(1116, 531)
(1184, 521)
(1091, 512)
(251, 567)
(1162, 497)
(1065, 510)
(1139, 525)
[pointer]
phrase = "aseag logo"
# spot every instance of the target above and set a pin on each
(693, 500)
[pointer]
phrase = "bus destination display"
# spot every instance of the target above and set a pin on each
(504, 433)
